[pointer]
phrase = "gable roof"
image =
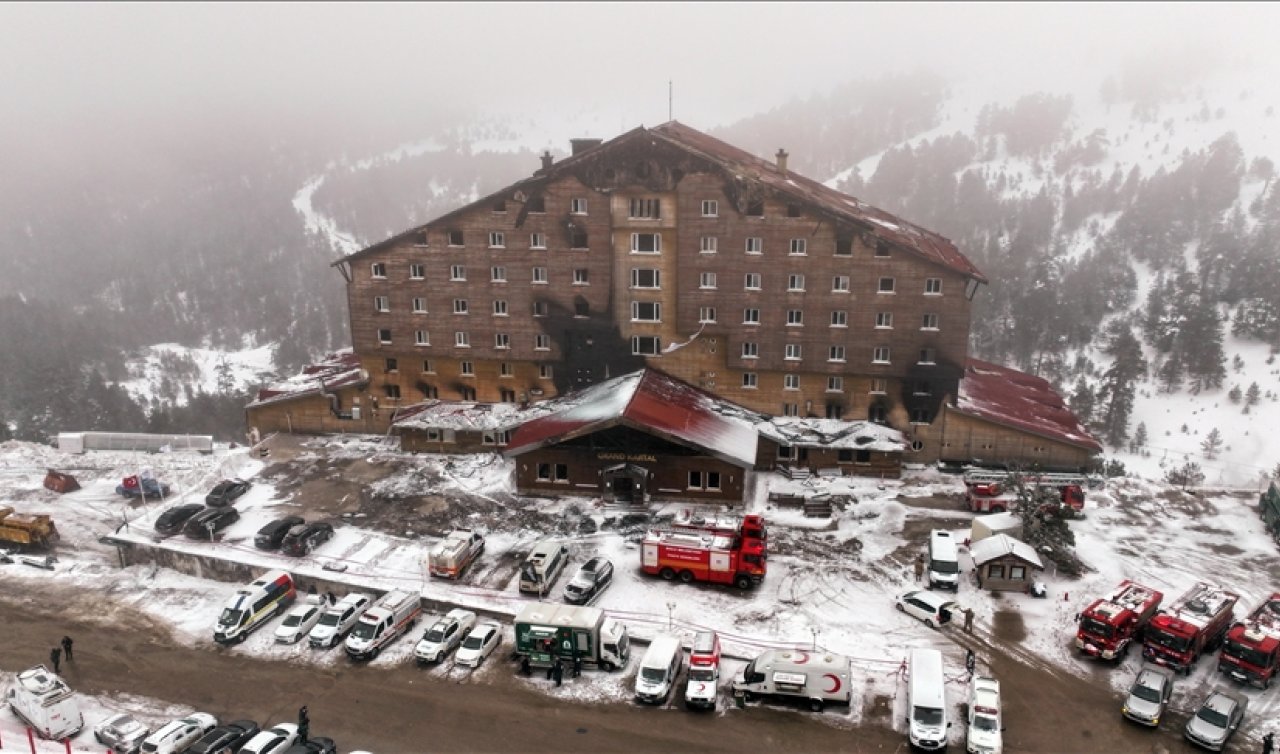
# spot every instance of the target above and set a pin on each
(468, 415)
(1019, 400)
(998, 545)
(749, 168)
(650, 401)
(337, 370)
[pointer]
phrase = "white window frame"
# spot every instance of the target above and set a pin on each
(387, 340)
(710, 208)
(881, 355)
(502, 341)
(840, 284)
(538, 241)
(497, 240)
(498, 274)
(839, 318)
(879, 386)
(892, 283)
(933, 286)
(928, 356)
(541, 342)
(750, 381)
(577, 206)
(792, 352)
(417, 271)
(500, 308)
(378, 270)
(636, 311)
(748, 279)
(795, 283)
(755, 245)
(706, 315)
(884, 320)
(795, 318)
(540, 308)
(929, 322)
(748, 319)
(467, 368)
(836, 354)
(419, 305)
(460, 306)
(790, 381)
(644, 208)
(421, 338)
(458, 272)
(835, 384)
(545, 371)
(462, 339)
(799, 248)
(382, 304)
(657, 243)
(750, 350)
(581, 276)
(707, 281)
(708, 244)
(652, 340)
(637, 273)
(539, 276)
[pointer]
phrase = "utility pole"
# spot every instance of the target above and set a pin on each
(670, 101)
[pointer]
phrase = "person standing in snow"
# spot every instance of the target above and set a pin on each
(55, 658)
(557, 672)
(1268, 743)
(968, 620)
(66, 647)
(919, 566)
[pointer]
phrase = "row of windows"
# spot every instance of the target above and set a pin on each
(467, 368)
(462, 339)
(879, 354)
(498, 274)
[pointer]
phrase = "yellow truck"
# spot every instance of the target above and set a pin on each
(26, 530)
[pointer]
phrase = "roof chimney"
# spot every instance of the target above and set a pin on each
(782, 160)
(582, 145)
(546, 160)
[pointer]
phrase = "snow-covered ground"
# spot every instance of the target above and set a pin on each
(244, 368)
(830, 583)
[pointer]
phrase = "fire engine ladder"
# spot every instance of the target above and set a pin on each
(1031, 479)
(1132, 597)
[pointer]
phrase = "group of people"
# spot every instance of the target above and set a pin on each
(56, 654)
(555, 672)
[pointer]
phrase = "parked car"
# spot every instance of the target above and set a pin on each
(272, 535)
(591, 579)
(299, 621)
(1216, 720)
(172, 520)
(122, 734)
(1148, 696)
(225, 738)
(304, 538)
(314, 745)
(442, 636)
(933, 609)
(274, 740)
(338, 620)
(210, 521)
(226, 492)
(142, 487)
(176, 736)
(479, 644)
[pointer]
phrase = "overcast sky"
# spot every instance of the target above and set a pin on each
(90, 62)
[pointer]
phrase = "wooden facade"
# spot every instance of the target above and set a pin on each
(1007, 573)
(878, 464)
(961, 438)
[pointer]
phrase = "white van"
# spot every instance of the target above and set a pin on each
(927, 701)
(545, 562)
(944, 561)
(250, 608)
(658, 669)
(45, 703)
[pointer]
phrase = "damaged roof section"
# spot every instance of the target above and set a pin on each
(1016, 399)
(800, 432)
(469, 416)
(337, 370)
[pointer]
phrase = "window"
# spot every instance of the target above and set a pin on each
(699, 480)
(419, 306)
(645, 209)
(462, 339)
(578, 206)
(928, 355)
(580, 277)
(755, 245)
(421, 338)
(646, 243)
(933, 287)
(799, 247)
(537, 240)
(706, 314)
(750, 316)
(839, 318)
(835, 384)
(882, 248)
(499, 308)
(695, 480)
(562, 472)
(417, 272)
(392, 391)
(835, 411)
(499, 437)
(497, 240)
(886, 285)
(384, 336)
(540, 275)
(795, 282)
(918, 445)
(542, 342)
(381, 304)
(537, 205)
(713, 480)
(930, 322)
(836, 353)
(707, 245)
(392, 365)
(749, 380)
(498, 274)
(581, 308)
(460, 306)
(501, 341)
(880, 355)
(544, 371)
(379, 270)
(878, 413)
(455, 238)
(795, 318)
(791, 409)
(784, 452)
(429, 391)
(793, 210)
(646, 278)
(752, 281)
(710, 208)
(428, 367)
(540, 308)
(499, 207)
(644, 345)
(791, 381)
(792, 352)
(646, 311)
(884, 320)
(922, 387)
(879, 386)
(420, 238)
(755, 209)
(840, 284)
(544, 472)
(707, 281)
(750, 350)
(457, 272)
(467, 369)
(919, 416)
(844, 246)
(1017, 573)
(578, 239)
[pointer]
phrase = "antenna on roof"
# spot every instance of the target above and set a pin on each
(670, 101)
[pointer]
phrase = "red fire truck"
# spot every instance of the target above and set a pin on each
(1109, 626)
(1190, 627)
(720, 550)
(1251, 652)
(992, 491)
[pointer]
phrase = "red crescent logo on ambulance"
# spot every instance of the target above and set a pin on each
(835, 681)
(802, 658)
(702, 687)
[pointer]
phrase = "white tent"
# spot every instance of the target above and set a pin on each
(995, 523)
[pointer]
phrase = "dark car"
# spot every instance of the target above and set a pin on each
(226, 492)
(210, 521)
(270, 536)
(171, 521)
(314, 745)
(225, 738)
(590, 580)
(304, 538)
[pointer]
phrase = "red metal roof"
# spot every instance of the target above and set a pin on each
(650, 401)
(1016, 399)
(337, 370)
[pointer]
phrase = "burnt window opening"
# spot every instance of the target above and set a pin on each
(428, 391)
(393, 365)
(500, 205)
(393, 391)
(835, 411)
(420, 238)
(862, 456)
(467, 393)
(793, 210)
(878, 413)
(646, 209)
(643, 170)
(844, 455)
(537, 204)
(882, 248)
(581, 308)
(577, 238)
(507, 396)
(921, 416)
(755, 209)
(455, 238)
(844, 246)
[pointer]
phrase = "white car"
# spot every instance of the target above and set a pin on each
(443, 635)
(933, 609)
(339, 619)
(985, 721)
(122, 734)
(272, 740)
(299, 621)
(179, 734)
(479, 644)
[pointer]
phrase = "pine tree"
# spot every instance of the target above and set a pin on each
(1234, 394)
(1211, 446)
(1083, 401)
(1252, 395)
(1139, 440)
(226, 379)
(1186, 475)
(1117, 390)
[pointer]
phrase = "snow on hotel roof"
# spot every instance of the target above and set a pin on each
(653, 402)
(1016, 399)
(467, 415)
(832, 433)
(337, 370)
(999, 545)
